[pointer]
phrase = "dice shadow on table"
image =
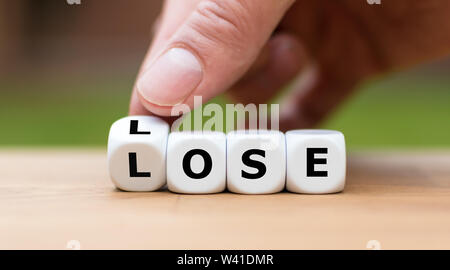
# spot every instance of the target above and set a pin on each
(165, 190)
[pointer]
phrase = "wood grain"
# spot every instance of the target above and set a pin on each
(49, 197)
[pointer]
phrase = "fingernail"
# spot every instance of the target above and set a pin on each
(171, 78)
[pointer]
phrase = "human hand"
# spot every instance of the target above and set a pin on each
(206, 47)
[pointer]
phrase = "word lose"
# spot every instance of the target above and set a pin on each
(142, 156)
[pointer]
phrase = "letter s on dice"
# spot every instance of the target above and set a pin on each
(142, 155)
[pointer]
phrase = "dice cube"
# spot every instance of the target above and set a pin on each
(137, 153)
(196, 162)
(316, 161)
(256, 162)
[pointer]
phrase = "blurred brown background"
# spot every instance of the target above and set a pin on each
(55, 35)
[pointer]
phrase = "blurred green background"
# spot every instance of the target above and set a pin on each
(67, 72)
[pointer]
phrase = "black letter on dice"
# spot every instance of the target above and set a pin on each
(133, 167)
(134, 128)
(187, 164)
(311, 161)
(254, 164)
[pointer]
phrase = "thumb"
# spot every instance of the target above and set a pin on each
(209, 52)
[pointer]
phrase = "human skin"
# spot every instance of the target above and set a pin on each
(251, 49)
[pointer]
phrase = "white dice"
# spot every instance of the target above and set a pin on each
(142, 155)
(137, 153)
(196, 162)
(256, 162)
(316, 161)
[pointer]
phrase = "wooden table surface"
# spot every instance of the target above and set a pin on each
(50, 197)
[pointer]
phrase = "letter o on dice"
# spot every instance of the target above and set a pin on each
(196, 162)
